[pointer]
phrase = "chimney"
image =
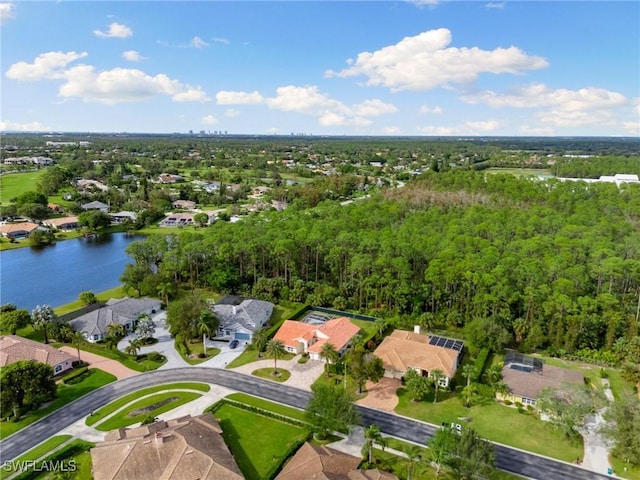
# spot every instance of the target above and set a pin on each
(234, 309)
(416, 329)
(159, 438)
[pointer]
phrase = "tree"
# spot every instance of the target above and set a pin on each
(39, 238)
(134, 276)
(25, 383)
(166, 290)
(417, 385)
(436, 376)
(76, 340)
(201, 219)
(275, 349)
(87, 298)
(116, 330)
(259, 341)
(41, 317)
(371, 435)
(94, 220)
(184, 314)
(493, 374)
(145, 328)
(204, 329)
(472, 456)
(11, 321)
(441, 447)
(31, 197)
(133, 348)
(414, 455)
(468, 394)
(468, 371)
(330, 409)
(363, 366)
(111, 342)
(623, 428)
(330, 356)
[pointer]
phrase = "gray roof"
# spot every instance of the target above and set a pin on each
(250, 314)
(120, 311)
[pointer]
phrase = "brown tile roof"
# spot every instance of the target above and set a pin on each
(58, 222)
(14, 348)
(403, 350)
(186, 448)
(530, 384)
(18, 227)
(337, 331)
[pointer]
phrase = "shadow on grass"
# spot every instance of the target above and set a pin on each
(232, 438)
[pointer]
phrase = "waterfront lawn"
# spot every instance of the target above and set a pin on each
(269, 373)
(121, 402)
(267, 405)
(259, 444)
(13, 185)
(37, 452)
(166, 401)
(66, 394)
(116, 292)
(495, 422)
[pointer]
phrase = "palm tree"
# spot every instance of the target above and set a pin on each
(259, 341)
(275, 349)
(41, 316)
(467, 394)
(111, 342)
(436, 375)
(76, 340)
(381, 326)
(165, 290)
(414, 456)
(520, 328)
(493, 375)
(204, 329)
(133, 348)
(330, 355)
(116, 330)
(468, 371)
(371, 434)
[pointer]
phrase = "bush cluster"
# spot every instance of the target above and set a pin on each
(77, 376)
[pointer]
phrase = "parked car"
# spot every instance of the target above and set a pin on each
(233, 343)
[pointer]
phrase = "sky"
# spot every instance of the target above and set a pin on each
(423, 67)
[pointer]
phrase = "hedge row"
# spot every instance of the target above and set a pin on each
(271, 331)
(73, 376)
(261, 411)
(290, 453)
(73, 448)
(479, 364)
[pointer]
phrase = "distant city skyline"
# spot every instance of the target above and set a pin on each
(436, 68)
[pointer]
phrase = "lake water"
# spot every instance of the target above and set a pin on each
(57, 274)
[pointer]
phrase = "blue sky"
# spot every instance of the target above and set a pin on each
(322, 68)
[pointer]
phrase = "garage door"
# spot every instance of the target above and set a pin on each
(241, 336)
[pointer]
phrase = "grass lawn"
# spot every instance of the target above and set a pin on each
(249, 356)
(13, 185)
(121, 402)
(269, 374)
(37, 452)
(66, 394)
(528, 172)
(267, 405)
(139, 363)
(196, 349)
(117, 292)
(632, 472)
(82, 462)
(336, 379)
(495, 422)
(257, 451)
(166, 401)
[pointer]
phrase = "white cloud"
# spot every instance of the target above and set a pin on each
(425, 61)
(48, 65)
(197, 42)
(391, 130)
(223, 41)
(424, 3)
(483, 126)
(209, 120)
(495, 5)
(116, 30)
(426, 109)
(226, 97)
(231, 112)
(537, 131)
(132, 56)
(575, 118)
(373, 108)
(432, 130)
(23, 127)
(538, 95)
(632, 127)
(6, 12)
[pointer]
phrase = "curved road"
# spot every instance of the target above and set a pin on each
(510, 459)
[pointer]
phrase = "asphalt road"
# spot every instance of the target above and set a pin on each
(512, 460)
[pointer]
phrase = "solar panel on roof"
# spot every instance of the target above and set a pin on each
(448, 343)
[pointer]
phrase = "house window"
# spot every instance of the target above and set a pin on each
(58, 369)
(528, 401)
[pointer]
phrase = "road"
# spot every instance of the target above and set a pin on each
(510, 459)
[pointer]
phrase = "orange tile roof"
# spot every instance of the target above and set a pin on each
(18, 227)
(14, 348)
(291, 331)
(338, 332)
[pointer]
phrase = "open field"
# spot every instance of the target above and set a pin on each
(13, 185)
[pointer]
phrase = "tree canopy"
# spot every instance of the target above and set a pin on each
(330, 409)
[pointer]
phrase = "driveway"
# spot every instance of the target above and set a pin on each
(381, 395)
(302, 374)
(103, 363)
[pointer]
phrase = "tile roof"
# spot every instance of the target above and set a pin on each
(14, 348)
(250, 314)
(403, 350)
(530, 384)
(18, 227)
(185, 448)
(337, 331)
(58, 222)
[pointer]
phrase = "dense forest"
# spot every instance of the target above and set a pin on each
(522, 262)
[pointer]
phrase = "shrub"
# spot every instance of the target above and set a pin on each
(149, 419)
(154, 357)
(478, 365)
(520, 410)
(519, 404)
(508, 402)
(604, 373)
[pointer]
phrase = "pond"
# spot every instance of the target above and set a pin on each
(57, 274)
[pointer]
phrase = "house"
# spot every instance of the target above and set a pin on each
(239, 317)
(85, 185)
(55, 208)
(178, 449)
(103, 207)
(169, 178)
(526, 377)
(124, 311)
(298, 337)
(184, 204)
(177, 220)
(65, 223)
(16, 231)
(324, 463)
(403, 350)
(14, 349)
(121, 217)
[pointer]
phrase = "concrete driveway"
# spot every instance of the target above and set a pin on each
(381, 395)
(302, 374)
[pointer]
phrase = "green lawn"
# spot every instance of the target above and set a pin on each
(117, 292)
(139, 365)
(196, 349)
(257, 451)
(121, 402)
(495, 422)
(267, 405)
(13, 185)
(632, 472)
(37, 452)
(66, 394)
(122, 418)
(249, 356)
(82, 464)
(269, 374)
